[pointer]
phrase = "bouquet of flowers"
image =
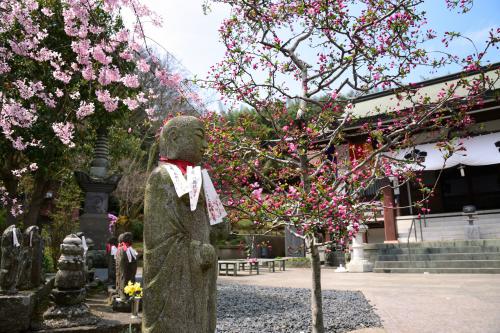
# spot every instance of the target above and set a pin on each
(133, 289)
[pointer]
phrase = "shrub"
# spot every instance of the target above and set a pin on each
(136, 228)
(48, 264)
(300, 262)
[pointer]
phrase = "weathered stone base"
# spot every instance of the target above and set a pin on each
(23, 310)
(15, 311)
(121, 306)
(108, 325)
(69, 316)
(471, 232)
(68, 297)
(359, 266)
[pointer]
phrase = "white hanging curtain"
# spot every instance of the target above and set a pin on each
(474, 151)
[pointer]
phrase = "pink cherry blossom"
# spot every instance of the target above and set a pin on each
(65, 132)
(85, 109)
(131, 81)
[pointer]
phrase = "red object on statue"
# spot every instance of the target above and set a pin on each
(124, 246)
(182, 165)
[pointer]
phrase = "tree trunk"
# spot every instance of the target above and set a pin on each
(37, 196)
(10, 184)
(316, 297)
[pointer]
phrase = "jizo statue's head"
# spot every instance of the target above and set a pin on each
(183, 138)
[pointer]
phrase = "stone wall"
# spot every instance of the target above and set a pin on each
(277, 243)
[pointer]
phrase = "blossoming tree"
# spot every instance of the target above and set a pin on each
(67, 67)
(293, 63)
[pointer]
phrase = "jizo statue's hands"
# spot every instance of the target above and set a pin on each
(204, 253)
(207, 253)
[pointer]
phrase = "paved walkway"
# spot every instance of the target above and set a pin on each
(408, 303)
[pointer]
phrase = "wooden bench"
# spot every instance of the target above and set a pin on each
(227, 265)
(253, 265)
(281, 263)
(271, 264)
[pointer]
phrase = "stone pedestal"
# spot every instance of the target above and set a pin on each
(16, 311)
(358, 263)
(472, 232)
(23, 311)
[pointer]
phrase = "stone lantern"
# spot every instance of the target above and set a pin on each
(358, 263)
(471, 230)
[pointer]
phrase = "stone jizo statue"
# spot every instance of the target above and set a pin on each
(31, 273)
(180, 270)
(126, 264)
(12, 259)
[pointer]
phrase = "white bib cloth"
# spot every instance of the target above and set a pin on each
(15, 241)
(84, 245)
(113, 251)
(131, 253)
(195, 178)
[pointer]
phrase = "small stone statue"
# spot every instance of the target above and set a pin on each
(69, 292)
(111, 250)
(126, 264)
(31, 274)
(180, 270)
(37, 245)
(12, 261)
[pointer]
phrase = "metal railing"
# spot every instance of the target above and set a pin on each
(413, 228)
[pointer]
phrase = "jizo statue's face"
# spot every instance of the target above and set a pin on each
(191, 143)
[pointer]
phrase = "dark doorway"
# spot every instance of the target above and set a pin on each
(480, 186)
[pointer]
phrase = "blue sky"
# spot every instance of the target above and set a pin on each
(192, 36)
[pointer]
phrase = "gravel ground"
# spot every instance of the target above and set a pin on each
(251, 309)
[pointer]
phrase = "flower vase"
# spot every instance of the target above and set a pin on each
(136, 301)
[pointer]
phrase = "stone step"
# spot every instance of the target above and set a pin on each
(463, 218)
(434, 224)
(439, 250)
(439, 270)
(454, 243)
(403, 237)
(456, 218)
(447, 235)
(439, 264)
(439, 256)
(441, 228)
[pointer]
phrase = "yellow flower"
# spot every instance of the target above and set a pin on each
(133, 289)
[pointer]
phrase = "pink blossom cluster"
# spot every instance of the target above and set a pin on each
(65, 132)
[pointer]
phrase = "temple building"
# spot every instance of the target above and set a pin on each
(469, 179)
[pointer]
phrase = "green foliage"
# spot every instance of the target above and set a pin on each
(3, 221)
(48, 264)
(67, 200)
(244, 224)
(136, 228)
(232, 240)
(300, 262)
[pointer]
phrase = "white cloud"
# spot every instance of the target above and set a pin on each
(189, 34)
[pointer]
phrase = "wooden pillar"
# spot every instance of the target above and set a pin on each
(390, 227)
